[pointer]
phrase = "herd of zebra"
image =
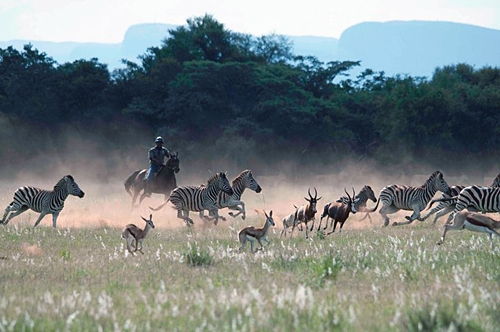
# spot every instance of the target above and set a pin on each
(218, 193)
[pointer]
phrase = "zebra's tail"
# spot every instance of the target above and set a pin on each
(442, 199)
(161, 205)
(372, 210)
(129, 183)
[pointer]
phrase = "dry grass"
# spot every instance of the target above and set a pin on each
(368, 278)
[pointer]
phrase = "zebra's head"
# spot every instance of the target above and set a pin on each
(251, 183)
(439, 183)
(72, 186)
(220, 181)
(368, 191)
(173, 162)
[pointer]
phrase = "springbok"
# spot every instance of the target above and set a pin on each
(473, 222)
(289, 221)
(338, 212)
(306, 213)
(133, 233)
(252, 234)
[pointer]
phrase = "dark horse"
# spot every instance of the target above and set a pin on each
(163, 182)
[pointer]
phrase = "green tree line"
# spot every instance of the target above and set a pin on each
(232, 94)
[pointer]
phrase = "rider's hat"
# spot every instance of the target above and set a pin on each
(159, 139)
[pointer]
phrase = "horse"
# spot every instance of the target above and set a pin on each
(163, 182)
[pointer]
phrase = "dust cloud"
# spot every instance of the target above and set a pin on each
(100, 168)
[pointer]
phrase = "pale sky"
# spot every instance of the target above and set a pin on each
(107, 20)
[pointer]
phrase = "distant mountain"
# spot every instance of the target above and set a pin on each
(137, 39)
(415, 48)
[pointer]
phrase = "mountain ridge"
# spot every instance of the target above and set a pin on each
(414, 48)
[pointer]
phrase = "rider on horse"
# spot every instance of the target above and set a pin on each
(156, 157)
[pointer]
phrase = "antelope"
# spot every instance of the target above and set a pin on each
(306, 213)
(252, 234)
(131, 232)
(338, 211)
(473, 222)
(289, 221)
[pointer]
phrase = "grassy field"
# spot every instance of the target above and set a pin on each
(80, 277)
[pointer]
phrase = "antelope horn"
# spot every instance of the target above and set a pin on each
(349, 196)
(316, 195)
(309, 192)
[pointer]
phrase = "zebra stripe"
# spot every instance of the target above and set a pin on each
(191, 198)
(449, 205)
(42, 201)
(398, 197)
(244, 180)
(478, 199)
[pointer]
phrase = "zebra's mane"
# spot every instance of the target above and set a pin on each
(432, 178)
(215, 177)
(63, 180)
(496, 182)
(241, 176)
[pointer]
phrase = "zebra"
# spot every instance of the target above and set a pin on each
(42, 201)
(399, 197)
(449, 205)
(360, 200)
(197, 199)
(244, 180)
(475, 199)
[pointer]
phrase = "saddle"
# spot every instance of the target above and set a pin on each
(154, 175)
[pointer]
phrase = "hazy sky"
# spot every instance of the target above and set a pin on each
(107, 20)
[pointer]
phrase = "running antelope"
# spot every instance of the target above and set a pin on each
(338, 212)
(289, 221)
(252, 234)
(473, 222)
(133, 233)
(306, 213)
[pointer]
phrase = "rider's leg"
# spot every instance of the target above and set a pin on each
(149, 180)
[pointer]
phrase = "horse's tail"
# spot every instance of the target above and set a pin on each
(162, 205)
(129, 183)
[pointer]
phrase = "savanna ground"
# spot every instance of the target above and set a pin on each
(80, 277)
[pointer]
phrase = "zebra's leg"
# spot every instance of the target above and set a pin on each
(12, 215)
(409, 219)
(241, 210)
(54, 219)
(40, 217)
(385, 210)
(187, 220)
(450, 218)
(443, 212)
